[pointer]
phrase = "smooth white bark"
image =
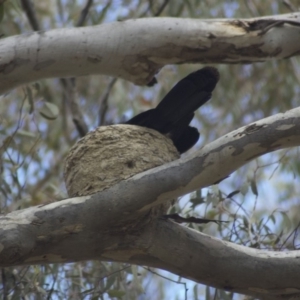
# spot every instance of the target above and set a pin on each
(136, 49)
(92, 227)
(88, 228)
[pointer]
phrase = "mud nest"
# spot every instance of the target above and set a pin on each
(113, 153)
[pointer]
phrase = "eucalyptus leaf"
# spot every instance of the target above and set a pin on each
(26, 133)
(49, 111)
(30, 99)
(116, 293)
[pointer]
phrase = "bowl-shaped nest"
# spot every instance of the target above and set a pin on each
(113, 153)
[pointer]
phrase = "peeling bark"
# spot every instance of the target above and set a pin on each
(136, 50)
(99, 226)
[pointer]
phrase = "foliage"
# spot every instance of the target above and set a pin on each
(36, 131)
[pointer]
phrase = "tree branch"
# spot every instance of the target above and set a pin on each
(30, 12)
(211, 261)
(104, 102)
(136, 49)
(71, 97)
(84, 13)
(54, 232)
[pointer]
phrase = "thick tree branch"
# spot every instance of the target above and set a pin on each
(205, 259)
(98, 224)
(136, 49)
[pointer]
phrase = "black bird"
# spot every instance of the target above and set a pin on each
(174, 113)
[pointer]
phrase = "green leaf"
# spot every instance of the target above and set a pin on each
(26, 133)
(209, 198)
(199, 193)
(220, 196)
(116, 293)
(273, 219)
(244, 188)
(110, 281)
(6, 143)
(267, 229)
(195, 291)
(230, 195)
(196, 201)
(16, 6)
(286, 219)
(245, 221)
(254, 187)
(36, 86)
(260, 223)
(30, 99)
(278, 238)
(49, 111)
(207, 293)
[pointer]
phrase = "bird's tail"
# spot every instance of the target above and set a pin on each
(174, 113)
(186, 97)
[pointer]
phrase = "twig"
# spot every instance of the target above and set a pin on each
(293, 232)
(84, 13)
(179, 219)
(290, 6)
(277, 23)
(70, 85)
(4, 284)
(159, 11)
(172, 280)
(49, 173)
(30, 12)
(162, 7)
(104, 102)
(49, 296)
(72, 100)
